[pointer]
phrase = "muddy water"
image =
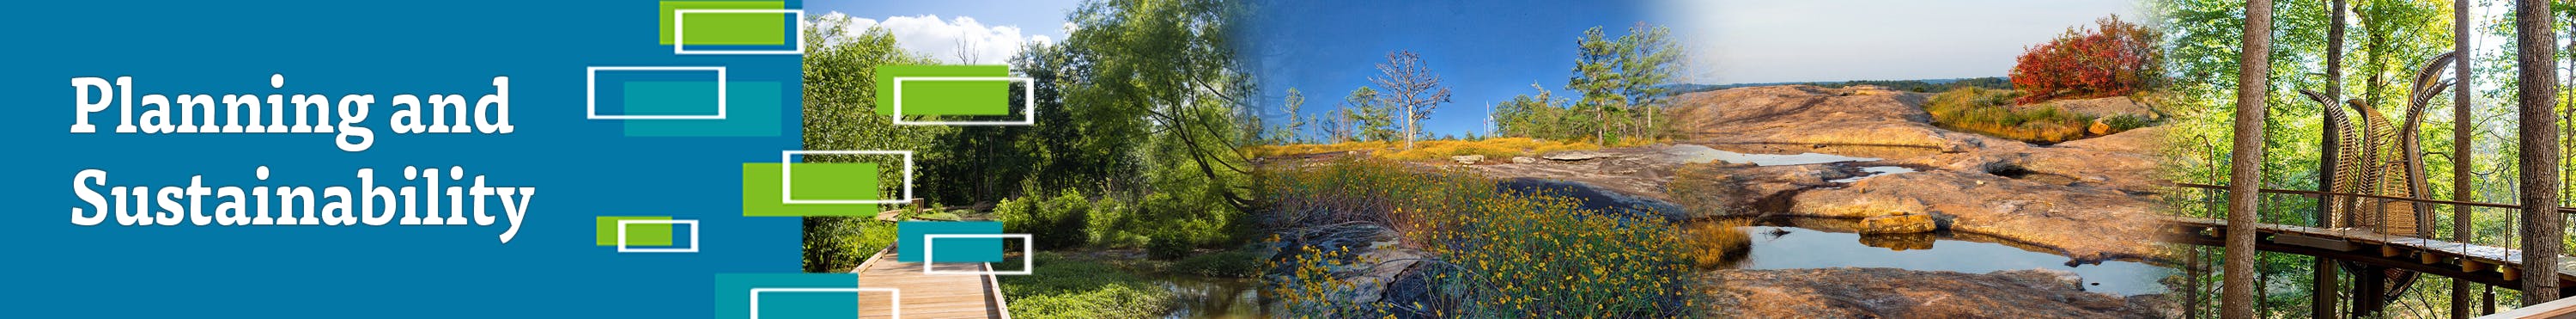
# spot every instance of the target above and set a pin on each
(1214, 297)
(1787, 243)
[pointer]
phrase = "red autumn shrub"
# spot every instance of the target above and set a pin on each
(2113, 58)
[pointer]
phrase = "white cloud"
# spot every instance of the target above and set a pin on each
(957, 40)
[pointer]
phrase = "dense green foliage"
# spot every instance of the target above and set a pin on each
(1158, 126)
(839, 77)
(2385, 40)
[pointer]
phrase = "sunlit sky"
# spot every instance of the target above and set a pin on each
(1765, 41)
(1485, 51)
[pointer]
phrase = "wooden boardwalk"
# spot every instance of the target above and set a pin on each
(928, 295)
(2486, 264)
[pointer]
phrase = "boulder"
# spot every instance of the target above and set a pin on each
(1898, 224)
(1523, 160)
(1575, 155)
(1469, 159)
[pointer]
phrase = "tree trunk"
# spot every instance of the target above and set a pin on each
(2322, 305)
(2461, 158)
(2539, 126)
(2245, 176)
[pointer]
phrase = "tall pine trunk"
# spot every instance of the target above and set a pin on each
(2537, 58)
(2322, 305)
(2245, 169)
(2461, 158)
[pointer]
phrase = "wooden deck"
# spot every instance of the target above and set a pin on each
(2453, 259)
(928, 295)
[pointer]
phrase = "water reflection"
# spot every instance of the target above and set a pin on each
(1790, 244)
(1214, 297)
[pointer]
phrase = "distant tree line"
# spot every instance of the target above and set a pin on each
(1925, 86)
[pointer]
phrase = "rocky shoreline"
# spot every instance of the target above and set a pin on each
(1898, 293)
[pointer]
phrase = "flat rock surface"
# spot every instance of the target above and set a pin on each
(2088, 199)
(1898, 293)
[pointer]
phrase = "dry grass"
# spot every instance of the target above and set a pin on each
(1440, 150)
(1990, 112)
(1717, 244)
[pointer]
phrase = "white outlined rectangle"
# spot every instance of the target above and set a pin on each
(1028, 256)
(679, 27)
(787, 177)
(594, 93)
(897, 295)
(1028, 100)
(693, 235)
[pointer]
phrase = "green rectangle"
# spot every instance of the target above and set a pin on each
(945, 97)
(636, 234)
(727, 28)
(832, 181)
(760, 189)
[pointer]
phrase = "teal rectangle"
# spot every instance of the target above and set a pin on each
(909, 238)
(733, 295)
(752, 108)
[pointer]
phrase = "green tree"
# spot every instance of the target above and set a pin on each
(1297, 121)
(839, 81)
(1647, 60)
(1368, 115)
(1598, 81)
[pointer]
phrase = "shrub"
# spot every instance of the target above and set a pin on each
(1113, 224)
(2114, 58)
(2126, 122)
(837, 244)
(1066, 221)
(1055, 223)
(1985, 111)
(1019, 215)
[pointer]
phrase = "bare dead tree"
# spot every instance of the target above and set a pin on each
(1407, 85)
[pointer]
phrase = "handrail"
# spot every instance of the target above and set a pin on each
(2310, 193)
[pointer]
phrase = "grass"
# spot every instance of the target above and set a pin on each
(1071, 288)
(1716, 245)
(1990, 112)
(1494, 149)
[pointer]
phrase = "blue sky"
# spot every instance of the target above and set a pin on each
(1485, 51)
(996, 28)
